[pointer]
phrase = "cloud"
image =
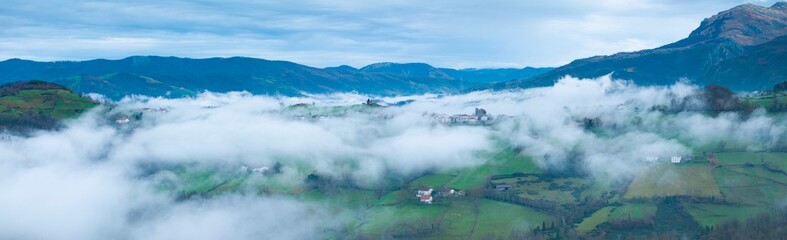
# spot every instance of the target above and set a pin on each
(320, 33)
(96, 179)
(236, 218)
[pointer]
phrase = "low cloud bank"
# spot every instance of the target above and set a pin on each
(84, 181)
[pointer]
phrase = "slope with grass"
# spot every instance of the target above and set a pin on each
(667, 179)
(39, 104)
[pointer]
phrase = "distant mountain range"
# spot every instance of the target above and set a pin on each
(172, 76)
(744, 48)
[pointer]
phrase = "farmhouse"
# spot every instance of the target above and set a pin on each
(502, 187)
(478, 117)
(464, 118)
(424, 191)
(260, 170)
(676, 159)
(122, 120)
(148, 109)
(426, 199)
(445, 192)
(449, 192)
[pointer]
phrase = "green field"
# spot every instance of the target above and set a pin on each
(597, 218)
(709, 215)
(739, 158)
(747, 185)
(776, 160)
(751, 185)
(459, 218)
(765, 101)
(198, 181)
(494, 216)
(394, 197)
(432, 180)
(507, 161)
(625, 212)
(561, 190)
(380, 219)
(633, 211)
(674, 180)
(345, 198)
(58, 104)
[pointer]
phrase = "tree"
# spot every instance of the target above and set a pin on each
(313, 180)
(720, 98)
(780, 87)
(277, 167)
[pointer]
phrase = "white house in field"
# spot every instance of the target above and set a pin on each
(260, 170)
(676, 159)
(122, 120)
(445, 191)
(426, 199)
(424, 191)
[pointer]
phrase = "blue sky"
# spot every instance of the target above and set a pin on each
(322, 33)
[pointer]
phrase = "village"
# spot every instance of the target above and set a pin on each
(479, 117)
(122, 119)
(426, 194)
(673, 159)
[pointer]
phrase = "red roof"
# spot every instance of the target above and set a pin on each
(426, 197)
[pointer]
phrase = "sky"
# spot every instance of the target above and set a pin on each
(322, 33)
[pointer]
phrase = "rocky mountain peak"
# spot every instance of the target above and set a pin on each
(781, 6)
(745, 25)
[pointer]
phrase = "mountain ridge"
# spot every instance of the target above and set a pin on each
(728, 35)
(176, 77)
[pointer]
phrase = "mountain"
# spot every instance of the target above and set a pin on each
(409, 70)
(40, 105)
(742, 48)
(174, 77)
(468, 75)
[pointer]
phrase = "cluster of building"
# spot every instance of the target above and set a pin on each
(122, 120)
(425, 193)
(310, 117)
(379, 116)
(479, 117)
(250, 170)
(503, 187)
(673, 159)
(137, 115)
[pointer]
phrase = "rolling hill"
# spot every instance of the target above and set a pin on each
(39, 105)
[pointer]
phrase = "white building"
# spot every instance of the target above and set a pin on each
(676, 159)
(651, 159)
(424, 191)
(427, 199)
(260, 170)
(122, 120)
